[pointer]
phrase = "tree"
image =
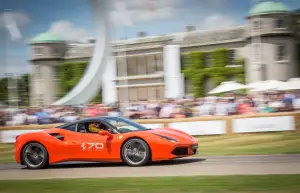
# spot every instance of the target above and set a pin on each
(23, 90)
(69, 74)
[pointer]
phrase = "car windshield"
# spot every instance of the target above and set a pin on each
(124, 125)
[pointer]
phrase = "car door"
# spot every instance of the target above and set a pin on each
(93, 146)
(70, 148)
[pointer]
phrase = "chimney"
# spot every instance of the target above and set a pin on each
(141, 34)
(190, 28)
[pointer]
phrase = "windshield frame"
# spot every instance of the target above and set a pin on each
(126, 121)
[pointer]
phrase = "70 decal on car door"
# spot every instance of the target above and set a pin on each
(92, 146)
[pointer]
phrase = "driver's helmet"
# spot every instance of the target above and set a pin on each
(94, 128)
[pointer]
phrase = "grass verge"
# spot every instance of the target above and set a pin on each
(199, 184)
(240, 144)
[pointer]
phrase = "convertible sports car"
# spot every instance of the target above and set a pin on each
(109, 139)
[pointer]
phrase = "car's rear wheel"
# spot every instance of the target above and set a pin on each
(35, 156)
(136, 152)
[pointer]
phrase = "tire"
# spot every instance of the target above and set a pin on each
(35, 156)
(136, 152)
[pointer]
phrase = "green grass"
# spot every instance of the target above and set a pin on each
(196, 184)
(241, 144)
(6, 153)
(250, 144)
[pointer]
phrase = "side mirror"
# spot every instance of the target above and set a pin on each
(105, 133)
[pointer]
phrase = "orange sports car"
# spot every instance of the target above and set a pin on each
(109, 139)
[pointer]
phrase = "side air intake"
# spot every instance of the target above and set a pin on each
(57, 136)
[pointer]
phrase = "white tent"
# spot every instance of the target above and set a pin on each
(254, 85)
(268, 85)
(227, 87)
(291, 84)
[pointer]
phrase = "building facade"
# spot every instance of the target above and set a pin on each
(149, 68)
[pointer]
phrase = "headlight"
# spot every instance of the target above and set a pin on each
(167, 138)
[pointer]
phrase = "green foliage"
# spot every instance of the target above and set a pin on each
(3, 89)
(23, 90)
(69, 74)
(196, 70)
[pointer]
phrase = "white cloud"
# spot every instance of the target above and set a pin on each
(20, 18)
(143, 11)
(66, 30)
(217, 21)
(211, 5)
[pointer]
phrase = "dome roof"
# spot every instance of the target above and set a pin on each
(46, 38)
(268, 7)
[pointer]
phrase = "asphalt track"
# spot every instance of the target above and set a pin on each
(224, 165)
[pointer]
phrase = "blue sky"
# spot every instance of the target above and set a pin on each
(73, 19)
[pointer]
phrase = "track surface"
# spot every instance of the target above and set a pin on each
(225, 165)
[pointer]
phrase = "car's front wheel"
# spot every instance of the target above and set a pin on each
(34, 156)
(136, 152)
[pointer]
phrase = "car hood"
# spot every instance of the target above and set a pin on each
(180, 136)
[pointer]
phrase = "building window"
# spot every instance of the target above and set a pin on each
(279, 23)
(150, 63)
(141, 65)
(159, 63)
(121, 64)
(133, 93)
(256, 25)
(55, 51)
(256, 52)
(231, 57)
(131, 66)
(38, 72)
(207, 60)
(160, 95)
(281, 52)
(38, 51)
(142, 94)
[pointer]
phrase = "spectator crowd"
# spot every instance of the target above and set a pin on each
(231, 104)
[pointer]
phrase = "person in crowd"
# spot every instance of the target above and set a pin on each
(178, 111)
(245, 107)
(276, 102)
(221, 107)
(206, 108)
(267, 108)
(167, 110)
(268, 102)
(43, 117)
(20, 118)
(296, 101)
(232, 107)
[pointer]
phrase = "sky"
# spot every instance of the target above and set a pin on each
(72, 20)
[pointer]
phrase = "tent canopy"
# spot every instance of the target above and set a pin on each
(227, 86)
(291, 84)
(268, 85)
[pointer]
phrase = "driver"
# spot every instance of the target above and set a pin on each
(96, 127)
